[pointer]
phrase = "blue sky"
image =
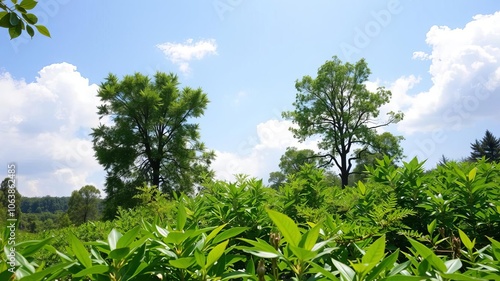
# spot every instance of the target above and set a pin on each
(441, 60)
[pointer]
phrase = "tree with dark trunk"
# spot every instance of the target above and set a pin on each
(337, 106)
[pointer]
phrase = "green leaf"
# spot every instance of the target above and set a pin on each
(216, 253)
(452, 265)
(472, 174)
(28, 4)
(431, 227)
(79, 250)
(286, 226)
(30, 31)
(15, 31)
(385, 265)
(302, 254)
(113, 238)
(43, 30)
(4, 21)
(162, 231)
(361, 188)
(27, 248)
(346, 272)
(119, 253)
(259, 245)
(20, 9)
(182, 263)
(235, 275)
(309, 239)
(40, 275)
(200, 258)
(181, 215)
(214, 233)
(13, 19)
(375, 252)
(230, 233)
(96, 269)
(465, 239)
(324, 272)
(128, 237)
(428, 255)
(30, 18)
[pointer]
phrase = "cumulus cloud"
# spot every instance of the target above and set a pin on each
(182, 53)
(45, 130)
(465, 72)
(258, 156)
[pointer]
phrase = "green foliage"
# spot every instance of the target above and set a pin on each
(337, 107)
(17, 18)
(83, 205)
(150, 139)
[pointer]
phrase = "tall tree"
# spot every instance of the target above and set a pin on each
(83, 204)
(10, 201)
(337, 107)
(149, 137)
(488, 147)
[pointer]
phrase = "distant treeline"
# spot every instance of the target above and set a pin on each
(44, 204)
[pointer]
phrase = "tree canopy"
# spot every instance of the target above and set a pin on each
(83, 204)
(149, 137)
(488, 147)
(17, 18)
(337, 106)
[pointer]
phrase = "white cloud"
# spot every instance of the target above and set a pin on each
(258, 156)
(465, 72)
(421, 56)
(46, 129)
(181, 54)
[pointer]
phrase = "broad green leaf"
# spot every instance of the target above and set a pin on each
(286, 226)
(13, 19)
(309, 238)
(4, 19)
(119, 253)
(259, 245)
(431, 227)
(43, 30)
(182, 263)
(324, 272)
(27, 248)
(403, 278)
(216, 253)
(375, 251)
(200, 258)
(128, 237)
(302, 254)
(428, 255)
(40, 275)
(346, 272)
(214, 233)
(386, 265)
(230, 233)
(113, 238)
(452, 265)
(361, 188)
(176, 237)
(162, 231)
(472, 174)
(181, 215)
(465, 239)
(463, 277)
(96, 269)
(261, 254)
(30, 31)
(79, 250)
(15, 31)
(235, 275)
(495, 245)
(28, 4)
(250, 268)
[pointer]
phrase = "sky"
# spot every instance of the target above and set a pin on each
(440, 59)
